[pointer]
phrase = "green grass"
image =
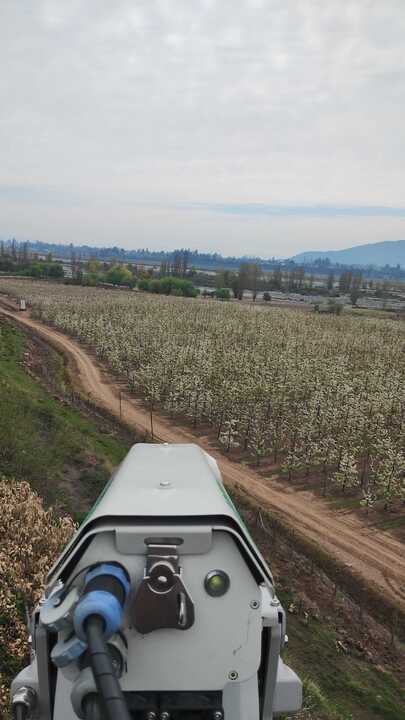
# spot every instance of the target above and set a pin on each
(339, 685)
(391, 523)
(343, 502)
(65, 455)
(376, 313)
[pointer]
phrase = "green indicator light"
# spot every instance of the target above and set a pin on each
(217, 583)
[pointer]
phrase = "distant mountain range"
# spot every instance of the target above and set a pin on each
(379, 254)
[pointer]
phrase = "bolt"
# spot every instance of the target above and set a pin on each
(151, 715)
(233, 675)
(217, 715)
(275, 602)
(116, 665)
(164, 715)
(254, 604)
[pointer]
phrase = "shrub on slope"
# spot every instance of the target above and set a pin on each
(31, 538)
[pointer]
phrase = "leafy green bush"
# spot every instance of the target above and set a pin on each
(223, 294)
(168, 286)
(119, 275)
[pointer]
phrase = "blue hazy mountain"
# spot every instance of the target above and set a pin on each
(389, 252)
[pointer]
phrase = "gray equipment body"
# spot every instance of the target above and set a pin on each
(201, 631)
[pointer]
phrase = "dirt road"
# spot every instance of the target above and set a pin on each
(378, 556)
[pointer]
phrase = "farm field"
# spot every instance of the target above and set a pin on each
(167, 351)
(319, 396)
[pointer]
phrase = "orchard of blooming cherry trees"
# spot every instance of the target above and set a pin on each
(317, 395)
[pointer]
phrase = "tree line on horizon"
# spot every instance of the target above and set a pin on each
(177, 276)
(206, 260)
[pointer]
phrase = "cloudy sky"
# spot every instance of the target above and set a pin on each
(243, 126)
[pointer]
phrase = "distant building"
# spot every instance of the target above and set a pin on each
(67, 269)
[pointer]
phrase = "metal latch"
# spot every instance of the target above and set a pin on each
(162, 600)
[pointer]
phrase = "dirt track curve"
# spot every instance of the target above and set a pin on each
(378, 556)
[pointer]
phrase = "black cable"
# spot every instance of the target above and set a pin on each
(79, 572)
(112, 698)
(20, 711)
(91, 707)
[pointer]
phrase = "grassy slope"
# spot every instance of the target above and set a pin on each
(67, 457)
(340, 686)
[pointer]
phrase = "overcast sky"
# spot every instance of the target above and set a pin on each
(242, 126)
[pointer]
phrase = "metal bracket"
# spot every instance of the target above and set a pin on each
(162, 600)
(57, 610)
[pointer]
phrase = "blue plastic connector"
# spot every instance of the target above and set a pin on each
(101, 600)
(111, 570)
(100, 603)
(67, 651)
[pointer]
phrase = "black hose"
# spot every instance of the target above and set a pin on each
(112, 698)
(20, 711)
(92, 707)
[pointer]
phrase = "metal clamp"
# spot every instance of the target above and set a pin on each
(57, 610)
(162, 600)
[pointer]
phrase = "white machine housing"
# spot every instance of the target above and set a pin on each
(174, 494)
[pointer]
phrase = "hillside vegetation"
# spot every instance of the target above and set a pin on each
(315, 395)
(65, 455)
(31, 538)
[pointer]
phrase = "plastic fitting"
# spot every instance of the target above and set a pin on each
(105, 591)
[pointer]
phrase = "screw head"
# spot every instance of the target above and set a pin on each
(217, 715)
(151, 715)
(164, 715)
(275, 602)
(233, 675)
(254, 604)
